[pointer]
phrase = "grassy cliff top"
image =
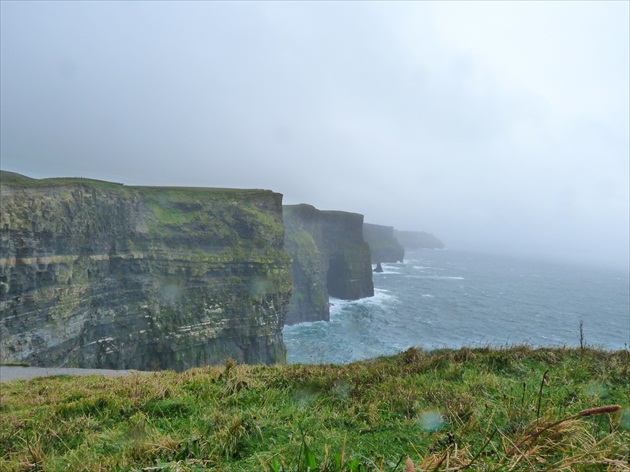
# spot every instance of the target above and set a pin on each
(306, 207)
(299, 206)
(342, 214)
(13, 179)
(469, 409)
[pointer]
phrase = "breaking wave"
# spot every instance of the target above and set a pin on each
(495, 301)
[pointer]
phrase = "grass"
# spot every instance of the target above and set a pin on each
(469, 409)
(22, 181)
(17, 180)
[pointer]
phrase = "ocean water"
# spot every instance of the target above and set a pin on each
(446, 298)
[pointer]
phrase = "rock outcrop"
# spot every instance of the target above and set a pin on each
(102, 275)
(383, 244)
(418, 240)
(330, 257)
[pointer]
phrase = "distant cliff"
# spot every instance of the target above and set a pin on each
(101, 275)
(418, 240)
(383, 244)
(330, 257)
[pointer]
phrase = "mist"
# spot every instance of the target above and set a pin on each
(497, 126)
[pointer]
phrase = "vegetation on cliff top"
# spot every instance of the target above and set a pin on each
(18, 180)
(220, 217)
(467, 409)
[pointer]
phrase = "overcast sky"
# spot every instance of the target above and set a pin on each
(497, 126)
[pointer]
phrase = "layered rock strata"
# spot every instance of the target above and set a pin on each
(383, 244)
(330, 257)
(418, 240)
(101, 275)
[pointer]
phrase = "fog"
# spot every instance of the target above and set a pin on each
(497, 126)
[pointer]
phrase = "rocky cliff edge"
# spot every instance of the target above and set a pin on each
(384, 246)
(101, 275)
(330, 257)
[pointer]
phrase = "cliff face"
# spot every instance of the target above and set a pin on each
(329, 257)
(349, 275)
(303, 240)
(383, 244)
(101, 275)
(418, 240)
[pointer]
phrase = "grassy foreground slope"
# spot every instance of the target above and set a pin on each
(469, 409)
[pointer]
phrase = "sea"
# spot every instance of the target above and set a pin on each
(449, 299)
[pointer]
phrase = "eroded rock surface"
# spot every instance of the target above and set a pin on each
(383, 244)
(102, 275)
(330, 257)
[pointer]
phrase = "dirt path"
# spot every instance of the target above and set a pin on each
(8, 373)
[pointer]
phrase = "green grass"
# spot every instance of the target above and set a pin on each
(21, 181)
(469, 409)
(13, 179)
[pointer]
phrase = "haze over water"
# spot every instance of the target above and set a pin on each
(494, 125)
(439, 299)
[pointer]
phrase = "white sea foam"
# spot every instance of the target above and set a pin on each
(381, 297)
(304, 325)
(426, 268)
(490, 305)
(336, 306)
(389, 269)
(379, 294)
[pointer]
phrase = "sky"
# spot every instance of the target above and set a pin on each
(497, 126)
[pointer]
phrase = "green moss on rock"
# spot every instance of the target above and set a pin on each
(104, 275)
(329, 257)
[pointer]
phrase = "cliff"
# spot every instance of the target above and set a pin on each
(349, 274)
(303, 240)
(330, 257)
(383, 244)
(418, 240)
(101, 275)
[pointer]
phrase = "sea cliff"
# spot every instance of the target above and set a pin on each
(101, 275)
(384, 246)
(418, 240)
(330, 257)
